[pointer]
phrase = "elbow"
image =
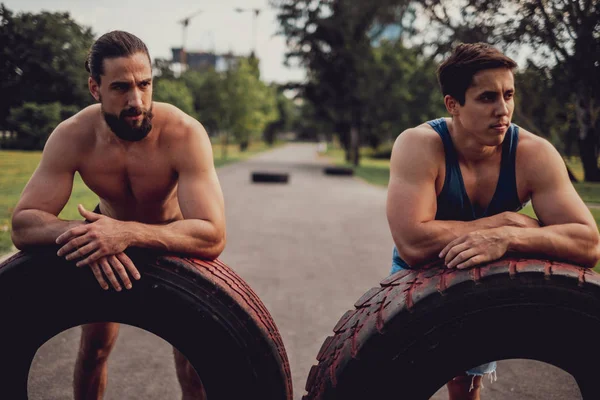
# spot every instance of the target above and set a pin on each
(17, 240)
(216, 247)
(16, 234)
(595, 252)
(410, 254)
(592, 256)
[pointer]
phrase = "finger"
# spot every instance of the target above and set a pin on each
(120, 270)
(89, 215)
(473, 261)
(108, 272)
(82, 252)
(73, 244)
(126, 261)
(462, 257)
(71, 233)
(454, 251)
(449, 246)
(98, 254)
(98, 274)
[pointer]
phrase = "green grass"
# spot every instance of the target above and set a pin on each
(372, 170)
(16, 167)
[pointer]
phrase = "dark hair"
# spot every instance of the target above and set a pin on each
(112, 45)
(456, 73)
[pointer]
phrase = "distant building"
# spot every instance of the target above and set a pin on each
(199, 60)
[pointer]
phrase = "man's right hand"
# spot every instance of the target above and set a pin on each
(108, 265)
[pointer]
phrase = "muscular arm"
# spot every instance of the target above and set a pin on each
(202, 231)
(34, 220)
(569, 231)
(412, 201)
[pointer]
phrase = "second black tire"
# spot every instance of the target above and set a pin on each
(270, 177)
(419, 329)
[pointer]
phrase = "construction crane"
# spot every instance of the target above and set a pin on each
(256, 12)
(185, 22)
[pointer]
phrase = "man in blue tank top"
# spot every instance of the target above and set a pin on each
(457, 183)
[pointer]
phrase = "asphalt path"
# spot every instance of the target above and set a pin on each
(309, 249)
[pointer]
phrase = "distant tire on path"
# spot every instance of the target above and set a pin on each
(202, 308)
(343, 171)
(269, 177)
(419, 329)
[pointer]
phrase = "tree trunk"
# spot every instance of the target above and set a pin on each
(588, 142)
(354, 146)
(224, 144)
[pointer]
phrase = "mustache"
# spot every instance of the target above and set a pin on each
(133, 112)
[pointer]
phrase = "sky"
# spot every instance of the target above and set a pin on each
(218, 27)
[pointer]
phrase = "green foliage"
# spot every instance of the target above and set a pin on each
(366, 88)
(34, 123)
(288, 114)
(545, 106)
(403, 92)
(174, 92)
(207, 88)
(251, 104)
(42, 60)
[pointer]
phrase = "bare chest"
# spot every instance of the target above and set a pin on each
(129, 178)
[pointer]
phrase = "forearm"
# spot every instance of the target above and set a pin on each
(195, 237)
(576, 243)
(38, 228)
(429, 238)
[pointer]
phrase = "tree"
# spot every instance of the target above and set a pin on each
(288, 113)
(207, 88)
(42, 60)
(251, 104)
(333, 39)
(34, 123)
(176, 93)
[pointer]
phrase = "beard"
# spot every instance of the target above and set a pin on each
(132, 131)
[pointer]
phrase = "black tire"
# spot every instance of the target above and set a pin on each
(201, 307)
(269, 177)
(344, 171)
(409, 336)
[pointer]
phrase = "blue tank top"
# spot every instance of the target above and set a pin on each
(453, 202)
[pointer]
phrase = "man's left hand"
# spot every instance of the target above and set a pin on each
(103, 236)
(476, 248)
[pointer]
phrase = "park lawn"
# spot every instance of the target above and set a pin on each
(16, 168)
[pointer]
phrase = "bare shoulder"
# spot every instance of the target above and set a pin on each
(420, 143)
(183, 137)
(538, 159)
(533, 150)
(74, 136)
(175, 125)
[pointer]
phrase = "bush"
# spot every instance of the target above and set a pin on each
(383, 152)
(34, 123)
(174, 92)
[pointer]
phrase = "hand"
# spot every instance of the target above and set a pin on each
(121, 264)
(102, 237)
(476, 248)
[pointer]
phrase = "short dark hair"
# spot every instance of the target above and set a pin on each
(112, 45)
(455, 74)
